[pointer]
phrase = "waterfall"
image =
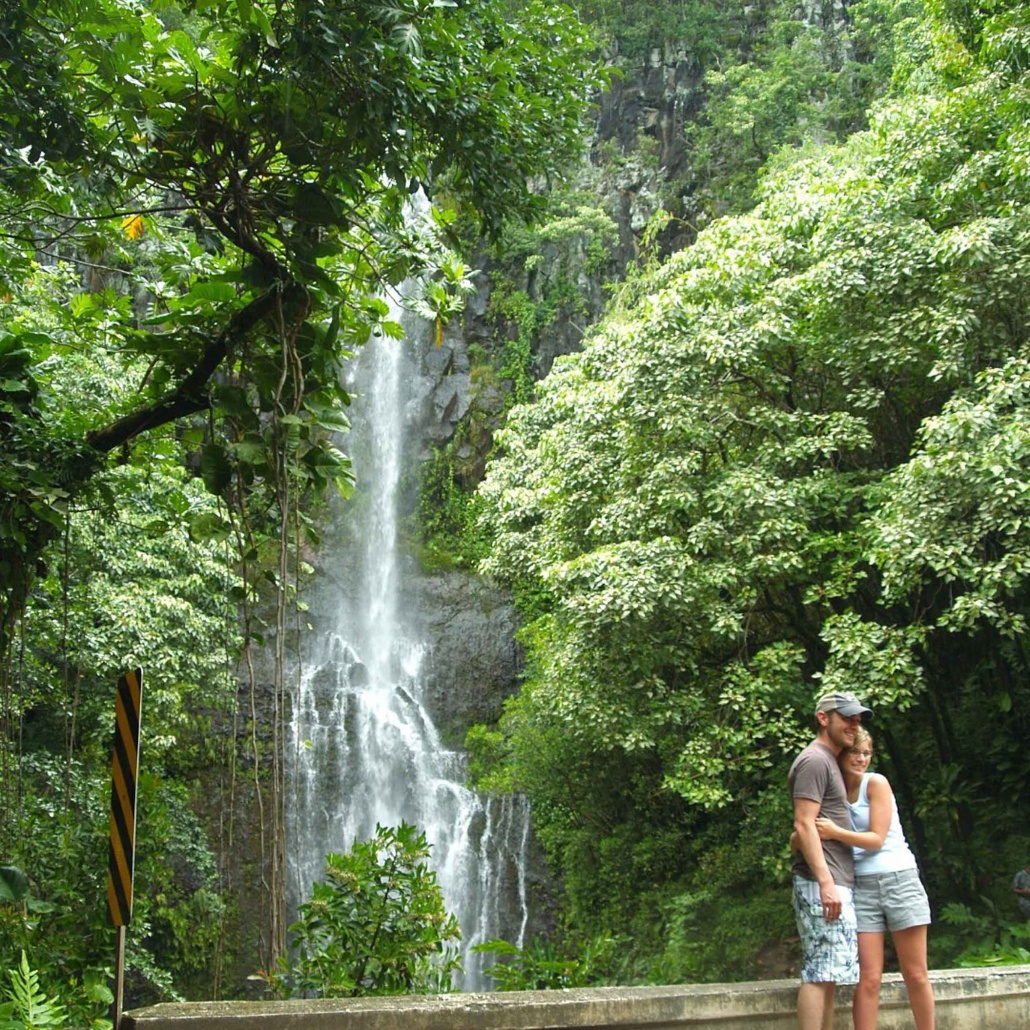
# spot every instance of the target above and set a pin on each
(364, 747)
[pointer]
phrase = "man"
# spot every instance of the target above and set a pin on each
(1021, 886)
(824, 872)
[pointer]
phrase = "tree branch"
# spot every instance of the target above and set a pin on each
(191, 394)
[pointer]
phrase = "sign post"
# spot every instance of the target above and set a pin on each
(124, 765)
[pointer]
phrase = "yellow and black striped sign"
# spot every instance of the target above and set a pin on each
(124, 763)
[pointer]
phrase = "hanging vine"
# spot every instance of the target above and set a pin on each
(227, 811)
(285, 424)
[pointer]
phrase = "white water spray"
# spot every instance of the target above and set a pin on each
(365, 749)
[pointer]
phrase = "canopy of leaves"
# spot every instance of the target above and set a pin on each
(236, 174)
(792, 464)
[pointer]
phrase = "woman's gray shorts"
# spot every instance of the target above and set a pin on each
(890, 901)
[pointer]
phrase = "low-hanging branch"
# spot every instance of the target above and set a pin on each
(191, 396)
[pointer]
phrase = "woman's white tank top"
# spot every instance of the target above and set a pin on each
(895, 853)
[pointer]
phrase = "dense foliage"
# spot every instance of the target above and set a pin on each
(797, 461)
(137, 576)
(703, 95)
(375, 925)
(250, 162)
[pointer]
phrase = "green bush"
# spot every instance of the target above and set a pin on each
(376, 925)
(540, 966)
(982, 940)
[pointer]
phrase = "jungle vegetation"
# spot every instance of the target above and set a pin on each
(794, 457)
(791, 455)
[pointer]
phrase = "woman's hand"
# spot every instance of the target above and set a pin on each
(828, 829)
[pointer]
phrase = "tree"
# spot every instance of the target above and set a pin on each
(231, 178)
(791, 465)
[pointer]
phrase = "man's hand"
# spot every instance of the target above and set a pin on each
(831, 901)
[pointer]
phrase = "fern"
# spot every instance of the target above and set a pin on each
(29, 1008)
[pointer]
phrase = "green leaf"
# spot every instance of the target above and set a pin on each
(264, 26)
(14, 884)
(209, 526)
(251, 451)
(327, 416)
(215, 467)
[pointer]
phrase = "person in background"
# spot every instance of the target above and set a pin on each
(888, 892)
(823, 869)
(1021, 886)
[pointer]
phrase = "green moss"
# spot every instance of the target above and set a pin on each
(446, 531)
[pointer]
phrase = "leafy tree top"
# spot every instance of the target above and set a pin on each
(700, 501)
(231, 177)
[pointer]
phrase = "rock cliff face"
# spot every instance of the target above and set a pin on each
(641, 120)
(474, 663)
(443, 391)
(468, 622)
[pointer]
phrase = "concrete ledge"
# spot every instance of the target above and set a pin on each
(995, 998)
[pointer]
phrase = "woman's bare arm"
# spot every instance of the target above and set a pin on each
(880, 795)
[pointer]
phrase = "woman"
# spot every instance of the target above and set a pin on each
(888, 892)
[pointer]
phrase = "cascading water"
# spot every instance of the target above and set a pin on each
(365, 749)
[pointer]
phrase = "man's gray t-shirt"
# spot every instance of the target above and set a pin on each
(815, 775)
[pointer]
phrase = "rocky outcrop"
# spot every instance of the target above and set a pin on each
(443, 390)
(475, 662)
(637, 163)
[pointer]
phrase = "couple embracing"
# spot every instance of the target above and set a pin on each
(854, 875)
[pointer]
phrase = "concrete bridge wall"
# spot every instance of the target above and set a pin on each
(996, 998)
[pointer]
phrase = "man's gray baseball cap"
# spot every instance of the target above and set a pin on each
(846, 704)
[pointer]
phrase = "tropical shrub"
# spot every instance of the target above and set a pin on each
(375, 925)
